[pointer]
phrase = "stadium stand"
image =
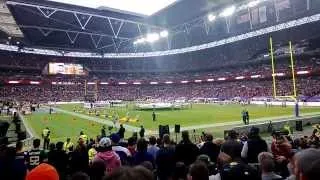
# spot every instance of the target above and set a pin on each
(235, 71)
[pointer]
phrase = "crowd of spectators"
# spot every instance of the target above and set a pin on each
(247, 157)
(307, 87)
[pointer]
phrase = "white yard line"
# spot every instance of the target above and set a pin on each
(98, 120)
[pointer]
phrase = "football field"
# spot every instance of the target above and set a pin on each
(69, 120)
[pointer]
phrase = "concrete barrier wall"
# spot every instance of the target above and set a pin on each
(278, 125)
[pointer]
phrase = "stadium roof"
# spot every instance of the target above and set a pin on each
(7, 23)
(181, 27)
(142, 7)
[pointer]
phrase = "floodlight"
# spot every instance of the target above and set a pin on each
(184, 82)
(164, 33)
(34, 82)
(255, 76)
(14, 82)
(152, 37)
(221, 79)
(104, 83)
(211, 17)
(168, 82)
(239, 77)
(210, 80)
(122, 83)
(228, 11)
(303, 72)
(253, 3)
(137, 83)
(197, 80)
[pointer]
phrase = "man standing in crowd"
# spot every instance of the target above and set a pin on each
(153, 149)
(46, 137)
(232, 146)
(123, 153)
(153, 116)
(209, 148)
(35, 156)
(121, 131)
(165, 159)
(142, 131)
(67, 145)
(254, 146)
(186, 151)
(84, 137)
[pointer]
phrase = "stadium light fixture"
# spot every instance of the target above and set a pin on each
(303, 72)
(221, 79)
(255, 76)
(184, 82)
(152, 37)
(153, 82)
(14, 82)
(198, 81)
(91, 83)
(164, 34)
(210, 80)
(168, 82)
(104, 83)
(137, 83)
(122, 83)
(211, 17)
(53, 83)
(239, 77)
(279, 74)
(253, 3)
(34, 82)
(228, 11)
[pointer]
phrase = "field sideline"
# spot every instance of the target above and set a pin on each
(70, 124)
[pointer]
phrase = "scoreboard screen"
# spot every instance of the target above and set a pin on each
(66, 68)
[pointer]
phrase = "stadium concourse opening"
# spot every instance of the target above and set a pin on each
(168, 90)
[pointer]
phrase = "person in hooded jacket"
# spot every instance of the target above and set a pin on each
(109, 157)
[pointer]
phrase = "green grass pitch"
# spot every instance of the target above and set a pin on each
(64, 125)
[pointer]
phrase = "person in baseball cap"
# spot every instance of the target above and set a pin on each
(105, 154)
(43, 171)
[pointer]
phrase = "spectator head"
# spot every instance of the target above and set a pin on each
(147, 164)
(254, 132)
(121, 126)
(166, 139)
(266, 162)
(223, 159)
(105, 144)
(304, 161)
(115, 138)
(52, 146)
(81, 133)
(209, 137)
(232, 134)
(80, 176)
(19, 146)
(97, 170)
(36, 143)
(128, 173)
(59, 146)
(43, 171)
(185, 136)
(314, 172)
(180, 171)
(198, 171)
(142, 145)
(132, 141)
(152, 140)
(205, 159)
(68, 140)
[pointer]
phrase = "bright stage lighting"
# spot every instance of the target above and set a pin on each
(164, 33)
(152, 37)
(253, 3)
(228, 11)
(211, 17)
